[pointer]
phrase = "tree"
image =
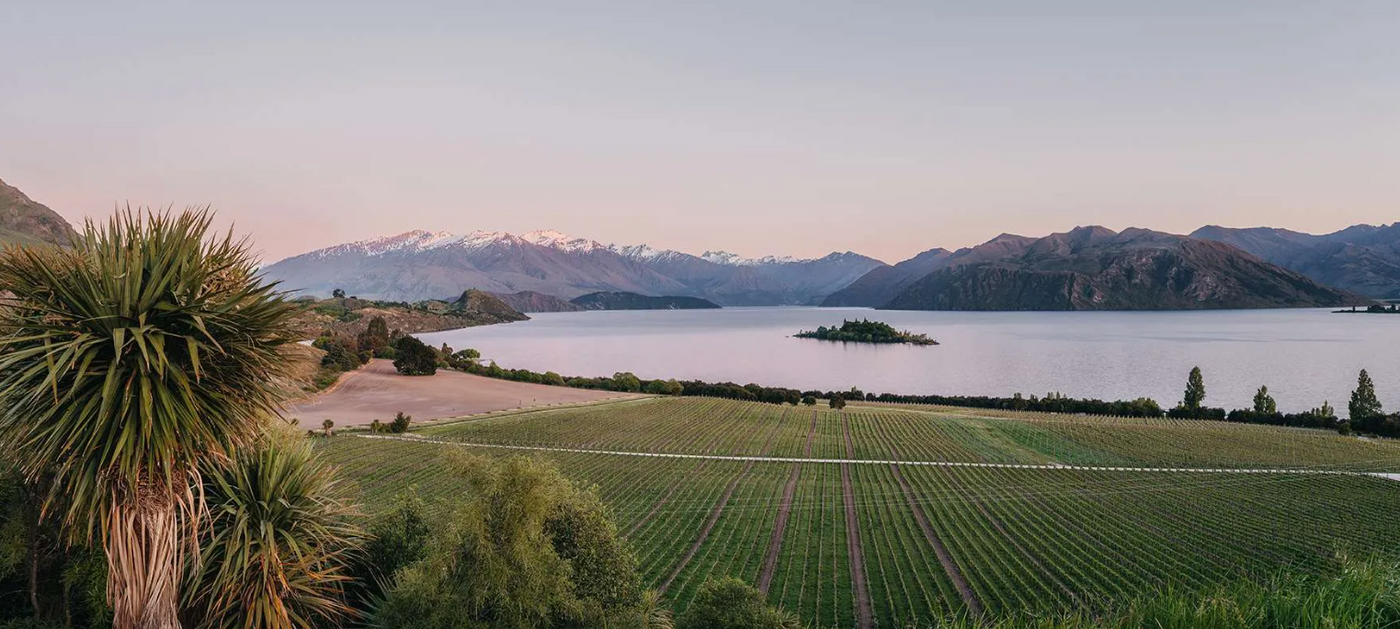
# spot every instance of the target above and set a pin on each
(148, 307)
(326, 427)
(375, 337)
(276, 550)
(338, 293)
(664, 387)
(400, 423)
(836, 402)
(414, 358)
(1264, 403)
(626, 381)
(729, 603)
(1195, 391)
(1364, 404)
(809, 400)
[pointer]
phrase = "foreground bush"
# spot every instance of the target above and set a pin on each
(527, 549)
(275, 551)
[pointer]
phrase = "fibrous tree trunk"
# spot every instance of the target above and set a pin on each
(143, 546)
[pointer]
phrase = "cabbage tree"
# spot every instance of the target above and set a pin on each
(145, 349)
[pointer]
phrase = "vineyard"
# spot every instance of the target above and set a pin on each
(892, 516)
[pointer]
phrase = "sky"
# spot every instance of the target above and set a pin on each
(757, 127)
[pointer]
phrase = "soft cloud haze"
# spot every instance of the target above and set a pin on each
(759, 127)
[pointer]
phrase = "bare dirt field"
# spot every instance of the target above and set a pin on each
(377, 392)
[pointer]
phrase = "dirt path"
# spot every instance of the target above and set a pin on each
(775, 543)
(376, 391)
(969, 598)
(865, 616)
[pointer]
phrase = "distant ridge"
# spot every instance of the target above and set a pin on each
(1363, 259)
(531, 301)
(633, 301)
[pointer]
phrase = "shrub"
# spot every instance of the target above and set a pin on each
(400, 423)
(275, 550)
(729, 603)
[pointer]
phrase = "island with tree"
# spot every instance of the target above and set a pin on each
(866, 331)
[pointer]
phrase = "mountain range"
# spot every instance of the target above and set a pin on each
(1091, 268)
(424, 265)
(1085, 268)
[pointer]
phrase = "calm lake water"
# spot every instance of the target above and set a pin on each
(1304, 356)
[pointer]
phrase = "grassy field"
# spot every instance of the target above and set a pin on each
(868, 517)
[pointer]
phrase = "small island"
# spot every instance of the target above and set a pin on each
(1373, 309)
(866, 331)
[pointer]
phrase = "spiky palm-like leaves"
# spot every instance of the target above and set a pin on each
(126, 360)
(274, 554)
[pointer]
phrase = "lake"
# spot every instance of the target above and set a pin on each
(1304, 356)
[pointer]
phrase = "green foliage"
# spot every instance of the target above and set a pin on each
(338, 294)
(400, 423)
(394, 540)
(866, 331)
(1195, 391)
(809, 400)
(1263, 402)
(526, 549)
(341, 354)
(836, 402)
(275, 551)
(1364, 403)
(604, 569)
(626, 381)
(729, 603)
(664, 387)
(414, 358)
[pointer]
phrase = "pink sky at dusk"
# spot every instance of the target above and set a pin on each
(785, 128)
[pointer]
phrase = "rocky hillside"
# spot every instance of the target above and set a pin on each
(422, 265)
(1093, 268)
(531, 301)
(1363, 259)
(26, 222)
(633, 301)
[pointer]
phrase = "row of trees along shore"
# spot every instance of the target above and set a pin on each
(147, 482)
(1365, 412)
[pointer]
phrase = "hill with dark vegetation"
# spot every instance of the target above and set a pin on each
(633, 301)
(1093, 268)
(24, 221)
(531, 301)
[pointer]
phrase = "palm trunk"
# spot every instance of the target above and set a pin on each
(143, 561)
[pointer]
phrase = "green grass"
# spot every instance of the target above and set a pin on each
(1025, 541)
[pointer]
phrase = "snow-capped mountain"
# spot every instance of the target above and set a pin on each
(423, 265)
